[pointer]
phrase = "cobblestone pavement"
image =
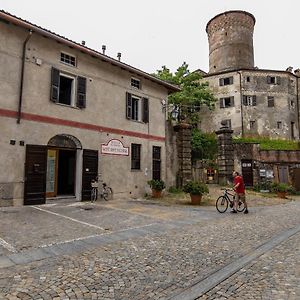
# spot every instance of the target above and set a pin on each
(144, 250)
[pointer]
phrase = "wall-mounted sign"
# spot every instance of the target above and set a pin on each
(114, 147)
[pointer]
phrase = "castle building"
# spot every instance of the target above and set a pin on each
(253, 102)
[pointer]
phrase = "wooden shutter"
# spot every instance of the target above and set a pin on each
(145, 110)
(230, 80)
(254, 100)
(222, 103)
(245, 100)
(221, 81)
(278, 80)
(81, 92)
(232, 101)
(269, 79)
(128, 106)
(54, 93)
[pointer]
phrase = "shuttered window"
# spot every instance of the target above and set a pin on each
(226, 81)
(271, 102)
(137, 108)
(273, 80)
(135, 156)
(226, 102)
(249, 100)
(63, 87)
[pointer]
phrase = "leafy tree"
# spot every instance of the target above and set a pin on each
(194, 92)
(204, 145)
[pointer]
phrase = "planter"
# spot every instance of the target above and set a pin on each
(281, 194)
(156, 193)
(196, 199)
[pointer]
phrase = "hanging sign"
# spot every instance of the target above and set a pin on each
(114, 147)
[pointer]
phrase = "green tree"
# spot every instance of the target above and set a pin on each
(194, 93)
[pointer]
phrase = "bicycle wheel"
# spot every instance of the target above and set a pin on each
(241, 206)
(221, 204)
(93, 195)
(107, 193)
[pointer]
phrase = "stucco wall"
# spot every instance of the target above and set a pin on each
(106, 107)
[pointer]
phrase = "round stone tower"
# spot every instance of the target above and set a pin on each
(230, 37)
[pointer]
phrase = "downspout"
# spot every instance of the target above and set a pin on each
(241, 99)
(298, 109)
(22, 76)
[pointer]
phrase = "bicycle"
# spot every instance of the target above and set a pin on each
(224, 200)
(106, 192)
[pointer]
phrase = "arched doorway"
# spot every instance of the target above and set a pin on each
(61, 165)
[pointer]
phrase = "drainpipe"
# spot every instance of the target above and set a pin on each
(298, 109)
(241, 95)
(22, 76)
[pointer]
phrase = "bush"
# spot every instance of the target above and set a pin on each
(158, 185)
(195, 188)
(174, 190)
(281, 187)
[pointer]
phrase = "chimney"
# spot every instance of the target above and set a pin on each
(119, 56)
(103, 49)
(83, 43)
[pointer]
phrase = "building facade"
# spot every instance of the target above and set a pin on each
(69, 114)
(253, 102)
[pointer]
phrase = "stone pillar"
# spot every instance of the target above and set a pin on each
(184, 148)
(225, 155)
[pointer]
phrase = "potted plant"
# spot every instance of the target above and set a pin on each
(157, 186)
(196, 190)
(280, 189)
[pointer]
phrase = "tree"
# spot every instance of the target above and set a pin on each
(194, 92)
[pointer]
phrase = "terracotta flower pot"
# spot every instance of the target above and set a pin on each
(281, 194)
(156, 193)
(196, 199)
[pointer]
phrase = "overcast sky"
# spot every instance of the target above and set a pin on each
(153, 33)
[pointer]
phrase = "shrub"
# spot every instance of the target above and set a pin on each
(174, 190)
(280, 187)
(158, 185)
(195, 188)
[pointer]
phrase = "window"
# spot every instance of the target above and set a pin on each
(135, 156)
(226, 123)
(137, 108)
(273, 79)
(226, 102)
(136, 83)
(226, 81)
(67, 89)
(293, 130)
(68, 59)
(279, 125)
(252, 125)
(248, 79)
(271, 102)
(249, 100)
(156, 163)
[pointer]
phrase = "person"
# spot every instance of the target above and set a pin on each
(239, 188)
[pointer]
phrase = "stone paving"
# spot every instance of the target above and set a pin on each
(145, 250)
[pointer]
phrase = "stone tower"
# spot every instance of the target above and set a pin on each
(230, 37)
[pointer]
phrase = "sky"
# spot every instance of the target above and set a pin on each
(153, 33)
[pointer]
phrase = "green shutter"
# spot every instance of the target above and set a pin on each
(54, 93)
(81, 92)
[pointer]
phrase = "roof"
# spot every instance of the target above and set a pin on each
(7, 17)
(249, 70)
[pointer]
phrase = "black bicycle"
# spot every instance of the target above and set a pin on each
(226, 200)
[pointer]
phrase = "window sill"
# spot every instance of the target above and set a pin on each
(66, 105)
(136, 170)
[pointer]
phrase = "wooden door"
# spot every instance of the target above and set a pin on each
(283, 174)
(247, 171)
(35, 175)
(296, 179)
(89, 172)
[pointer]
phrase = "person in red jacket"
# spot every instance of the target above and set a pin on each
(239, 188)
